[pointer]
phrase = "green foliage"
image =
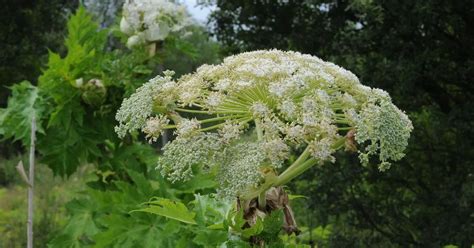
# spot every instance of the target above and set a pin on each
(16, 119)
(69, 140)
(105, 213)
(420, 52)
(108, 218)
(76, 101)
(51, 194)
(272, 227)
(170, 209)
(239, 225)
(185, 54)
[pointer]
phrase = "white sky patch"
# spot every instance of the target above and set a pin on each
(200, 13)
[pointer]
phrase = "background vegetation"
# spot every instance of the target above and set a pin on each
(419, 51)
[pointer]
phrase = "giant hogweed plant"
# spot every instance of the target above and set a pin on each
(260, 119)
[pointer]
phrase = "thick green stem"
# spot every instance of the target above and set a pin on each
(175, 117)
(296, 169)
(230, 110)
(303, 156)
(262, 201)
(259, 130)
(233, 102)
(221, 118)
(285, 178)
(240, 120)
(210, 112)
(193, 111)
(299, 167)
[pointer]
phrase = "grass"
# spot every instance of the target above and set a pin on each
(51, 194)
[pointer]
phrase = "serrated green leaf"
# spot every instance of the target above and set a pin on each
(235, 243)
(254, 230)
(65, 150)
(15, 120)
(84, 31)
(293, 197)
(200, 181)
(216, 226)
(210, 238)
(123, 231)
(142, 69)
(272, 225)
(273, 222)
(170, 209)
(210, 210)
(143, 185)
(80, 228)
(236, 220)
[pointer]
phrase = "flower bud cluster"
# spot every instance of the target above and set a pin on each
(151, 20)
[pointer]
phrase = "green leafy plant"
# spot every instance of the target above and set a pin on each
(75, 103)
(244, 118)
(22, 106)
(170, 209)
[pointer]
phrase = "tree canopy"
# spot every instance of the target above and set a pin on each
(419, 51)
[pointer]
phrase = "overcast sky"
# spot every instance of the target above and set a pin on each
(198, 12)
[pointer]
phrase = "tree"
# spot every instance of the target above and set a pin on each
(420, 52)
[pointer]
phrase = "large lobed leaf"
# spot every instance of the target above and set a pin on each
(170, 209)
(15, 120)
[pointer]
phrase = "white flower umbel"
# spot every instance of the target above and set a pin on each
(151, 20)
(240, 168)
(259, 107)
(181, 155)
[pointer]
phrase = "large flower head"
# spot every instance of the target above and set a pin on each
(277, 103)
(151, 20)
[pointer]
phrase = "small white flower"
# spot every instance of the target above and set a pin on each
(278, 89)
(309, 119)
(276, 151)
(187, 127)
(309, 105)
(230, 131)
(222, 84)
(154, 127)
(189, 96)
(322, 150)
(214, 99)
(322, 96)
(288, 108)
(348, 100)
(157, 32)
(294, 133)
(260, 110)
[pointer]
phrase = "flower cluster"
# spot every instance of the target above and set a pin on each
(136, 111)
(259, 108)
(151, 20)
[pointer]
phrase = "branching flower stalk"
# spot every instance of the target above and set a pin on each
(245, 117)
